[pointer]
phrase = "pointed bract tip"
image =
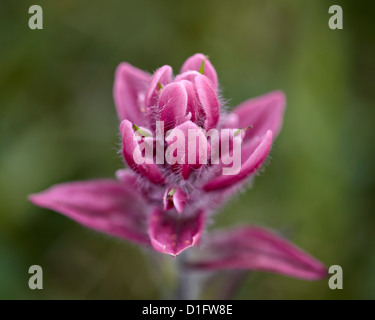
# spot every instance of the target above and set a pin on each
(201, 69)
(140, 131)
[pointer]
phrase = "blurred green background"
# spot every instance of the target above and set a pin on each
(58, 123)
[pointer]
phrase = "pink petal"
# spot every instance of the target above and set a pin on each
(208, 100)
(162, 77)
(104, 205)
(188, 76)
(231, 121)
(179, 200)
(174, 234)
(126, 176)
(151, 170)
(187, 167)
(129, 88)
(195, 63)
(168, 200)
(174, 198)
(230, 138)
(255, 248)
(262, 113)
(253, 155)
(192, 100)
(172, 105)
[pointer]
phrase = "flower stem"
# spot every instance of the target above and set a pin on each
(187, 286)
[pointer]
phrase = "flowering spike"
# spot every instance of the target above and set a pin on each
(141, 205)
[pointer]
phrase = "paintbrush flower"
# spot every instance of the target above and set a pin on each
(176, 181)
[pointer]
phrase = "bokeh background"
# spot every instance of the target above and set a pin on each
(58, 123)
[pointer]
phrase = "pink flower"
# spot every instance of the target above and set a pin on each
(166, 206)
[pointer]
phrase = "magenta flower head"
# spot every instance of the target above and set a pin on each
(186, 156)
